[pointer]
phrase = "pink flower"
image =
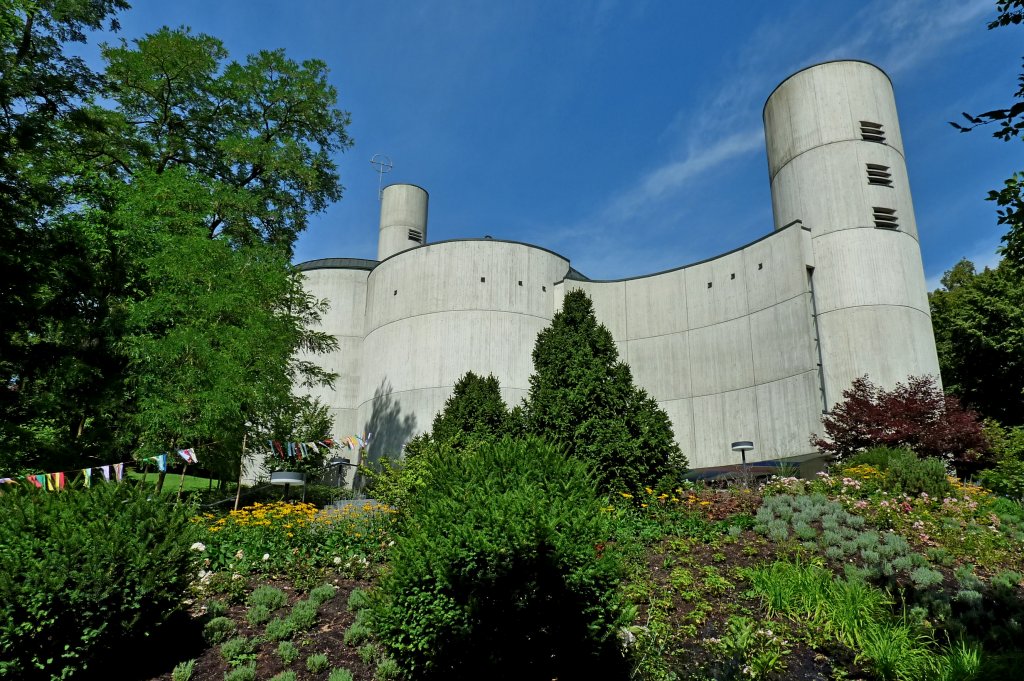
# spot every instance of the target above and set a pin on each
(906, 507)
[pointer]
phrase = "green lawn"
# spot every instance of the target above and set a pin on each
(172, 480)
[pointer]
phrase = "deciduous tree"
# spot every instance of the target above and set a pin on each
(979, 333)
(915, 415)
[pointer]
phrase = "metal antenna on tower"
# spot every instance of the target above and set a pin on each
(383, 165)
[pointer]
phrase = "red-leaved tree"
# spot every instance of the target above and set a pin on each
(916, 415)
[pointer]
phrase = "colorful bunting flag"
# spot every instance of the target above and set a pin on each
(106, 472)
(118, 471)
(87, 472)
(161, 462)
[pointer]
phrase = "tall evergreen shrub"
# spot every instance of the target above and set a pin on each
(85, 575)
(501, 571)
(584, 399)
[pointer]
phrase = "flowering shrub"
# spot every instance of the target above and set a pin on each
(967, 521)
(272, 538)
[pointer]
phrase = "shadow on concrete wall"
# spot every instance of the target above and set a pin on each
(391, 429)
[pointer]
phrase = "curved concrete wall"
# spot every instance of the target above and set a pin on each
(345, 290)
(436, 312)
(823, 127)
(730, 361)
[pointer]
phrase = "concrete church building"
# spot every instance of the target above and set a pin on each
(751, 345)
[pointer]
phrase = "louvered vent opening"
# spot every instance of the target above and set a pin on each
(872, 132)
(416, 235)
(879, 175)
(885, 218)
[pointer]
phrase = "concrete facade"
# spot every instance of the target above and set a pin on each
(753, 344)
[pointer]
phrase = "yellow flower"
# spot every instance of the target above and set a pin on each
(649, 490)
(626, 495)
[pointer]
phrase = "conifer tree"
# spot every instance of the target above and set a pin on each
(584, 399)
(474, 410)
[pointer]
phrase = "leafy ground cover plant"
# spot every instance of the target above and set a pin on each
(85, 572)
(503, 569)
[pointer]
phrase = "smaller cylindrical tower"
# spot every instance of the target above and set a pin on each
(403, 219)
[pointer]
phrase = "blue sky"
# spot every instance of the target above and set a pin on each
(626, 134)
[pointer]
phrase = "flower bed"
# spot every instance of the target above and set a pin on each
(273, 538)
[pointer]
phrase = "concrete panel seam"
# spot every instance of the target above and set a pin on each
(853, 307)
(705, 326)
(746, 387)
(468, 309)
(826, 144)
(872, 227)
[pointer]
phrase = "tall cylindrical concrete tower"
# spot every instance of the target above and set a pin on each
(403, 219)
(836, 163)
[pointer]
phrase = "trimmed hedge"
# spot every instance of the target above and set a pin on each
(84, 573)
(501, 571)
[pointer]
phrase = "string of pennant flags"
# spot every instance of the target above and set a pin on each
(300, 450)
(55, 482)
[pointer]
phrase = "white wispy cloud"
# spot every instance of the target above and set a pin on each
(724, 125)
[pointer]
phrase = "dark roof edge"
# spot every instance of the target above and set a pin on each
(490, 239)
(821, 63)
(337, 264)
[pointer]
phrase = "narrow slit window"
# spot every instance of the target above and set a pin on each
(760, 265)
(520, 282)
(732, 276)
(483, 279)
(544, 288)
(416, 235)
(709, 284)
(872, 132)
(879, 175)
(885, 218)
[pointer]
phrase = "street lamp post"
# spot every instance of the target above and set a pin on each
(743, 446)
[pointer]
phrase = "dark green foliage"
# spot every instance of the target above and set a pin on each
(257, 615)
(219, 629)
(1007, 477)
(52, 347)
(269, 597)
(475, 411)
(583, 399)
(107, 186)
(978, 317)
(85, 573)
(288, 653)
(322, 594)
(317, 662)
(279, 629)
(910, 475)
(239, 649)
(501, 571)
(303, 615)
(879, 457)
